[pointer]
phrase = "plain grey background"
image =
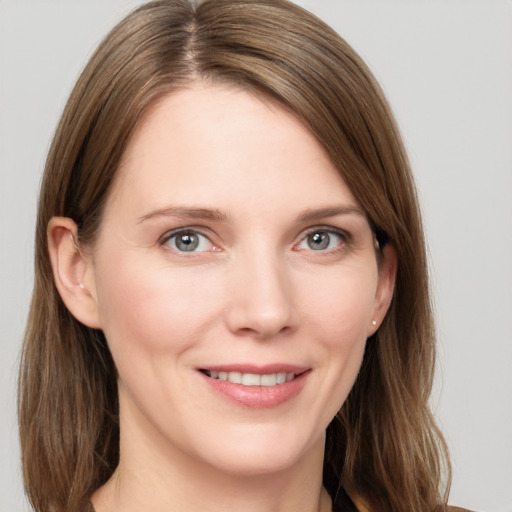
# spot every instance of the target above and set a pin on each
(446, 67)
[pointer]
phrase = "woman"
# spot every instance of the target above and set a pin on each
(231, 305)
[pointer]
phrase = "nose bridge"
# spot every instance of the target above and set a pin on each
(262, 294)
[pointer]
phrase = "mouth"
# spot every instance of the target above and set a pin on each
(256, 387)
(252, 379)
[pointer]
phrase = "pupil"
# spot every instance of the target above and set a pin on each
(318, 241)
(187, 242)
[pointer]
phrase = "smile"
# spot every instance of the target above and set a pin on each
(251, 379)
(256, 387)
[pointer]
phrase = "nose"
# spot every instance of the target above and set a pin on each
(261, 298)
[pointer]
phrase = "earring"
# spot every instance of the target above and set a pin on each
(374, 322)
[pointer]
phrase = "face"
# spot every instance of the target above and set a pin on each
(236, 280)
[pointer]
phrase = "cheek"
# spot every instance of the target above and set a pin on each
(150, 308)
(338, 314)
(342, 303)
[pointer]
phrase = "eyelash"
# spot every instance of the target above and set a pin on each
(343, 236)
(186, 231)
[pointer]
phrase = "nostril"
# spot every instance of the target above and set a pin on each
(264, 331)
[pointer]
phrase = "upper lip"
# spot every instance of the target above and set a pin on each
(257, 369)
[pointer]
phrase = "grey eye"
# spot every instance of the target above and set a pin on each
(323, 240)
(318, 241)
(189, 241)
(186, 242)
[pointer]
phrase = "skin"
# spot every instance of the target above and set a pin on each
(252, 183)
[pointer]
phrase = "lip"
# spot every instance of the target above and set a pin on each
(257, 397)
(258, 369)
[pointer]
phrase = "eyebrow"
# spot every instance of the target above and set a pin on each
(191, 213)
(214, 214)
(333, 211)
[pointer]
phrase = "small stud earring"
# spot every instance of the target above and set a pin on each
(374, 322)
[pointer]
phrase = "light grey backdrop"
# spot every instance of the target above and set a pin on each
(447, 69)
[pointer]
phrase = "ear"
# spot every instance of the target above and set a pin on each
(73, 271)
(385, 287)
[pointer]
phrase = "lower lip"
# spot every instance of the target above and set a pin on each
(258, 397)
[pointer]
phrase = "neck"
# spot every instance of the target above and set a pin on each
(163, 479)
(129, 491)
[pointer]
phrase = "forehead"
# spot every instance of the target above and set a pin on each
(213, 142)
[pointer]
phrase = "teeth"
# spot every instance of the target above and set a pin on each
(270, 380)
(235, 377)
(252, 379)
(280, 378)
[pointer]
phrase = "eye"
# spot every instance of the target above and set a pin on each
(188, 241)
(323, 240)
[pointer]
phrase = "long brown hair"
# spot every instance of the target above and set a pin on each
(383, 446)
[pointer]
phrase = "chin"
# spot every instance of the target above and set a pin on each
(264, 453)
